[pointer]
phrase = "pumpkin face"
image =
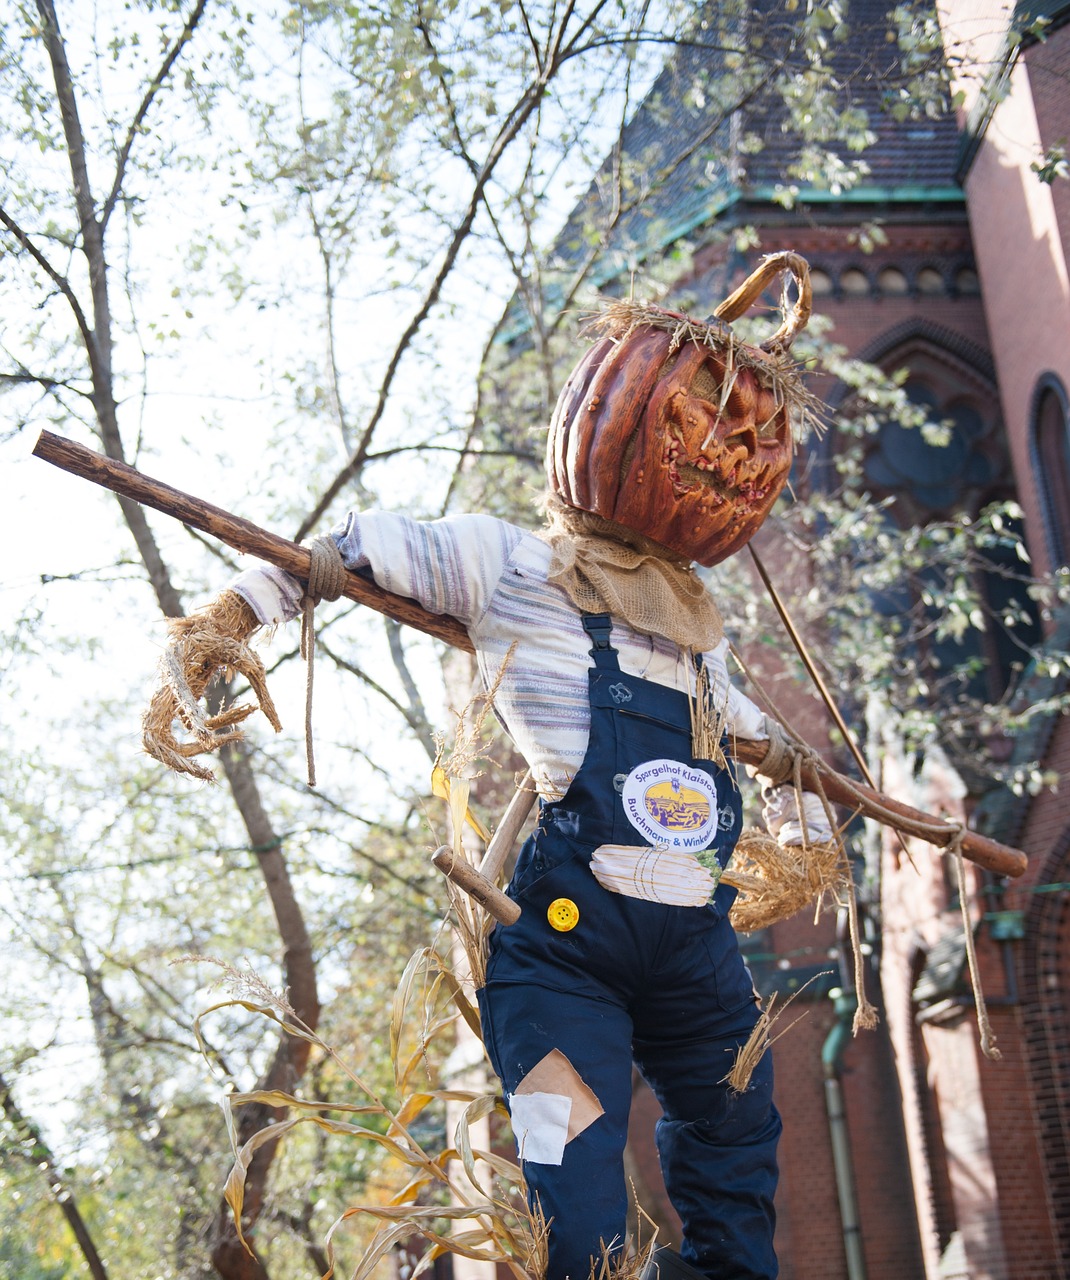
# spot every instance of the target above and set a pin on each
(650, 437)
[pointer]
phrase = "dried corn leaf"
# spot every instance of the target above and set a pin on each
(413, 1105)
(468, 1011)
(408, 1220)
(412, 1188)
(442, 786)
(254, 1006)
(416, 968)
(459, 791)
(277, 1098)
(474, 1112)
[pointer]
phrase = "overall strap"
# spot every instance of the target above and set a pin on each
(599, 626)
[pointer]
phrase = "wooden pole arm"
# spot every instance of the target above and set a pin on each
(240, 534)
(245, 536)
(1000, 858)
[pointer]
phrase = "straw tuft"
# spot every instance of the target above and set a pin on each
(775, 882)
(775, 370)
(208, 643)
(761, 1039)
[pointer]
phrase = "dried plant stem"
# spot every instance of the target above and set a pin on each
(750, 1054)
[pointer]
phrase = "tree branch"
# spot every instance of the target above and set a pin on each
(142, 112)
(58, 279)
(35, 1149)
(413, 716)
(522, 110)
(99, 341)
(290, 1057)
(97, 338)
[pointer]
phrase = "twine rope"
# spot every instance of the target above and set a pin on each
(778, 763)
(947, 833)
(787, 748)
(866, 1014)
(984, 1027)
(326, 581)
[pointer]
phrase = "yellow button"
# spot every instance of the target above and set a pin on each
(563, 914)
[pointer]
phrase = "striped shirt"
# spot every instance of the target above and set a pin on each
(492, 577)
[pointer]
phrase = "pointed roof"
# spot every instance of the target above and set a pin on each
(909, 161)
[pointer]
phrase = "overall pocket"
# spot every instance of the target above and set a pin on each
(734, 983)
(543, 851)
(561, 930)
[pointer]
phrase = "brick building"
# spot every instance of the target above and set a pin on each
(907, 1153)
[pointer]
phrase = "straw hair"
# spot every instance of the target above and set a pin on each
(775, 369)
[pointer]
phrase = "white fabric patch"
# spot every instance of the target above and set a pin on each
(655, 875)
(540, 1125)
(671, 805)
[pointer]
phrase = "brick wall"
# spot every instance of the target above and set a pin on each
(1042, 974)
(1047, 63)
(806, 1203)
(1023, 270)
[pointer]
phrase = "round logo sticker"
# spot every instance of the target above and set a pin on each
(671, 804)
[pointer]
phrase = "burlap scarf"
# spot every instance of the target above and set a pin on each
(605, 568)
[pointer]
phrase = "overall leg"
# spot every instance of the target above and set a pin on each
(717, 1147)
(584, 1196)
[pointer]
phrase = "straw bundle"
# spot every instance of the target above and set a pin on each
(775, 882)
(208, 642)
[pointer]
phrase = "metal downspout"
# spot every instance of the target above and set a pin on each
(832, 1051)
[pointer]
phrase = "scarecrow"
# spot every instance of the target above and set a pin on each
(669, 445)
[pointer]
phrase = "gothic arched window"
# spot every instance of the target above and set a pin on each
(957, 470)
(1051, 465)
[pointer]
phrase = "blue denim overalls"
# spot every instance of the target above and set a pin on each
(664, 985)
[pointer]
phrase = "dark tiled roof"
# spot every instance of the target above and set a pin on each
(667, 126)
(906, 156)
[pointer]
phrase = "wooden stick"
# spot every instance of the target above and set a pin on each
(476, 885)
(245, 536)
(501, 842)
(240, 534)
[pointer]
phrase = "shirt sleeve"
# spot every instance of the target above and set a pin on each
(273, 594)
(449, 566)
(743, 719)
(789, 825)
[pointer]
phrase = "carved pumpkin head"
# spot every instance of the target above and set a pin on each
(671, 428)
